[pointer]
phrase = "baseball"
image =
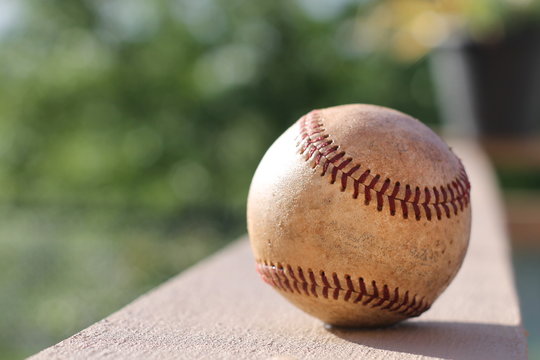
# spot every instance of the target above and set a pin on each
(359, 215)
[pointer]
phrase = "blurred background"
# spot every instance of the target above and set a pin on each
(129, 130)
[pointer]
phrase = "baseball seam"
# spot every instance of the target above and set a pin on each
(309, 284)
(320, 148)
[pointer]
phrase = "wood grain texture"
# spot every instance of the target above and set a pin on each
(221, 309)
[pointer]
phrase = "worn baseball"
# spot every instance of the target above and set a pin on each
(359, 215)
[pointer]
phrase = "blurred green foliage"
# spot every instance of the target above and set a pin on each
(129, 132)
(518, 179)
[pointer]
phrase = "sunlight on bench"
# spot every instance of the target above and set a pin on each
(221, 309)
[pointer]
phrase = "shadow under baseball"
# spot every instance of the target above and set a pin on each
(448, 340)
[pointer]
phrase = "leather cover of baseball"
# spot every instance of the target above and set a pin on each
(359, 215)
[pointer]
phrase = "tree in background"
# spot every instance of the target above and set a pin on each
(129, 132)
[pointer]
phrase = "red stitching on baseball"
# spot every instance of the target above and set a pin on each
(285, 279)
(315, 144)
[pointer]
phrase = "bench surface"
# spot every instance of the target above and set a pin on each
(221, 309)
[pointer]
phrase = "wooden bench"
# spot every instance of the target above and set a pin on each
(221, 309)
